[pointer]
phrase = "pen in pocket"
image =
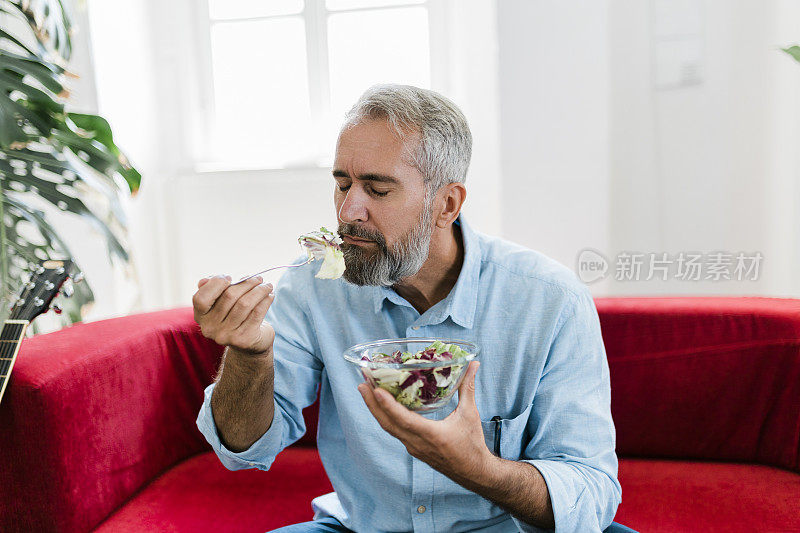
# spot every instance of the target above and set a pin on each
(496, 420)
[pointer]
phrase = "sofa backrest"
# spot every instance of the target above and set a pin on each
(706, 378)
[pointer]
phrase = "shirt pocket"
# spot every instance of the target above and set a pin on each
(508, 434)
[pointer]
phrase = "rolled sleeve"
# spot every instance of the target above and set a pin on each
(573, 437)
(260, 455)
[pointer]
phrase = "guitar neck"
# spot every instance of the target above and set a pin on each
(10, 339)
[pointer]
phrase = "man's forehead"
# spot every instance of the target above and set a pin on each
(372, 150)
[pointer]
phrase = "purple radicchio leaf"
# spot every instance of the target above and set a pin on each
(410, 380)
(428, 389)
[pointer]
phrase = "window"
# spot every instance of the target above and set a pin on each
(280, 75)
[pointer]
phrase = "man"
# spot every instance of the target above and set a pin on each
(414, 268)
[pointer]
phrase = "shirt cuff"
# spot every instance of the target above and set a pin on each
(566, 488)
(260, 455)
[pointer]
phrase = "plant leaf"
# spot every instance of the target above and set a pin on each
(48, 74)
(19, 171)
(5, 35)
(10, 130)
(793, 51)
(100, 131)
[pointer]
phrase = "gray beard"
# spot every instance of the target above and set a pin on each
(384, 267)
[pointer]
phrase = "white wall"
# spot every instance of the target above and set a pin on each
(709, 166)
(554, 123)
(472, 82)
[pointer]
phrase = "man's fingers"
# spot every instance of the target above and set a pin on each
(207, 279)
(246, 305)
(228, 298)
(256, 316)
(395, 418)
(207, 294)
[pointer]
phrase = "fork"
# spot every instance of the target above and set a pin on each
(307, 261)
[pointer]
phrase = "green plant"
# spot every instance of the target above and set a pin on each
(51, 158)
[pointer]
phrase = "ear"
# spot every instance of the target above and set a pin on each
(451, 198)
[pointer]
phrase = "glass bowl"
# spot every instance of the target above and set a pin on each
(421, 386)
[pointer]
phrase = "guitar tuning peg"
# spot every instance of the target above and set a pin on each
(39, 269)
(67, 290)
(56, 309)
(77, 278)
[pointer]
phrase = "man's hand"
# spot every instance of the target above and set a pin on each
(454, 446)
(233, 315)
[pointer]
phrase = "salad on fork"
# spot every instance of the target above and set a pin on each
(324, 245)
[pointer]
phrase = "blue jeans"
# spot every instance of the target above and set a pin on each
(331, 525)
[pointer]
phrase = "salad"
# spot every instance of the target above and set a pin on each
(418, 388)
(326, 246)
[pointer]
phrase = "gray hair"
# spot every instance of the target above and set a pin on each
(445, 149)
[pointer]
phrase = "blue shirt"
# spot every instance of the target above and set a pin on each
(543, 371)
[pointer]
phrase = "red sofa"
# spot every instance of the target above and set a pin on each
(97, 427)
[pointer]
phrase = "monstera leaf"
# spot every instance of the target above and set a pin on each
(59, 158)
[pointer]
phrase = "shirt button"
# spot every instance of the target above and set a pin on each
(421, 509)
(415, 328)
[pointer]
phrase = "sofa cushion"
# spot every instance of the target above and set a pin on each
(705, 378)
(676, 496)
(199, 494)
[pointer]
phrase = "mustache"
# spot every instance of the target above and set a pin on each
(362, 233)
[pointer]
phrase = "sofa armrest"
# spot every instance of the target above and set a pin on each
(95, 411)
(705, 377)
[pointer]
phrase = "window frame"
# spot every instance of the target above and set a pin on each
(314, 15)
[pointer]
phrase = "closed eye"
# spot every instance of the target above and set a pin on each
(345, 188)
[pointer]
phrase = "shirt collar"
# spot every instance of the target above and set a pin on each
(462, 301)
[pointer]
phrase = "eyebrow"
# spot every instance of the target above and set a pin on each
(370, 176)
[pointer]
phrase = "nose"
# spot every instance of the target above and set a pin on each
(353, 208)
